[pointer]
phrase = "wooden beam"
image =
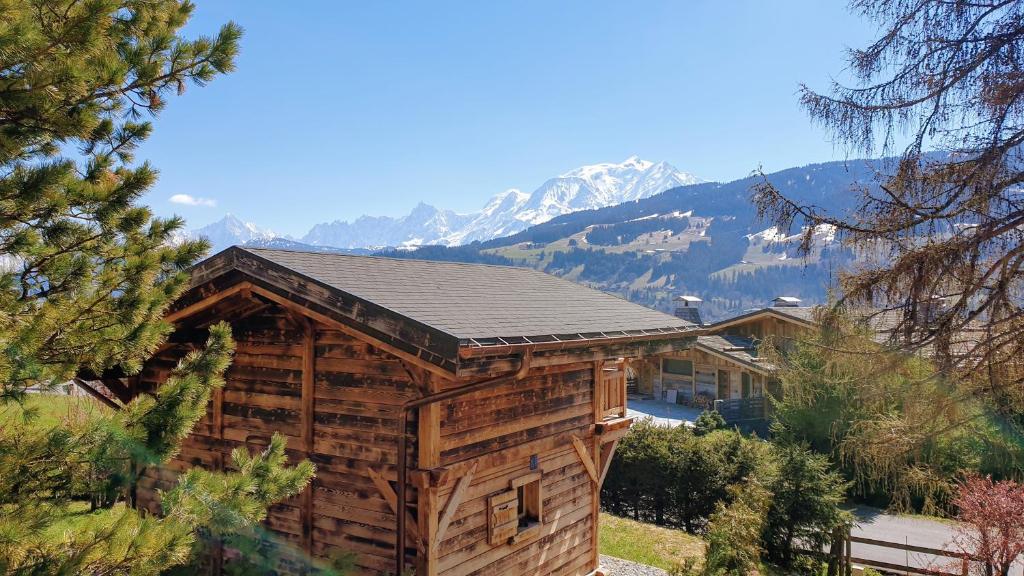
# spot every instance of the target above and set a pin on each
(207, 302)
(595, 506)
(308, 408)
(598, 391)
(427, 509)
(392, 499)
(494, 362)
(584, 455)
(117, 387)
(96, 394)
(454, 500)
(218, 412)
(613, 425)
(345, 328)
(308, 378)
(607, 452)
(429, 436)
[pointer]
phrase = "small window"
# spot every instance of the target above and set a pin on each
(516, 514)
(680, 367)
(528, 494)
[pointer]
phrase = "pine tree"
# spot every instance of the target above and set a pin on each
(86, 275)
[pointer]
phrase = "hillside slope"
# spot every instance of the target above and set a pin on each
(702, 239)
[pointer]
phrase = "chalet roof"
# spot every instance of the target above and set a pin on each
(803, 313)
(465, 304)
(739, 349)
(800, 314)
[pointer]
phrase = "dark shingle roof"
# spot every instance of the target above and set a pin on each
(741, 349)
(690, 314)
(805, 313)
(473, 301)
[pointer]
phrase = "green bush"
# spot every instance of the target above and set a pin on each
(671, 476)
(805, 506)
(708, 421)
(734, 532)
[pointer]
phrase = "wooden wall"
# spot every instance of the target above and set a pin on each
(500, 430)
(356, 391)
(707, 363)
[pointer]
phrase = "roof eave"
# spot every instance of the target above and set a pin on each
(467, 349)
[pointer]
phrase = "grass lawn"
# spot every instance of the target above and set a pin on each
(50, 409)
(647, 543)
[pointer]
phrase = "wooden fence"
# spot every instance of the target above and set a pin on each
(750, 415)
(841, 559)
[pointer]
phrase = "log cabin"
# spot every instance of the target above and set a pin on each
(461, 417)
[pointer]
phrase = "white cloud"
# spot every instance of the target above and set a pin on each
(190, 200)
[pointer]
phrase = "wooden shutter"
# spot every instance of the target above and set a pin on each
(503, 519)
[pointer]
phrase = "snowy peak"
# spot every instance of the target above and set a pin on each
(229, 231)
(508, 212)
(600, 185)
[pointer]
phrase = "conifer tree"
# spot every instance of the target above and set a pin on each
(86, 275)
(940, 236)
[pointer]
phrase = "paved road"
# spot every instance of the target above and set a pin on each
(914, 530)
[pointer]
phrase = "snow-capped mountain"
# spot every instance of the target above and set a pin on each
(424, 225)
(230, 230)
(511, 211)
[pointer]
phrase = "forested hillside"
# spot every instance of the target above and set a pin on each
(703, 239)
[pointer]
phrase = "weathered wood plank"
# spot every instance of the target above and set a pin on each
(585, 458)
(454, 500)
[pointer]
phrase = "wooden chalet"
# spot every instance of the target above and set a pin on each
(723, 363)
(503, 390)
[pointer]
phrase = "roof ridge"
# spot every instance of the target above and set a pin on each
(379, 257)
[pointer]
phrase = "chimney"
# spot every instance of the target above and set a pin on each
(688, 308)
(786, 302)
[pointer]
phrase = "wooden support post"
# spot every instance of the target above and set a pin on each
(588, 462)
(429, 427)
(847, 563)
(308, 408)
(427, 510)
(308, 383)
(218, 413)
(595, 503)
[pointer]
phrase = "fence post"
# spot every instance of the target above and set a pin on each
(847, 564)
(835, 554)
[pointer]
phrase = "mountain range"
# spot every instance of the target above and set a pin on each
(511, 211)
(616, 227)
(702, 239)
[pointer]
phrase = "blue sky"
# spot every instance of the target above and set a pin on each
(345, 108)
